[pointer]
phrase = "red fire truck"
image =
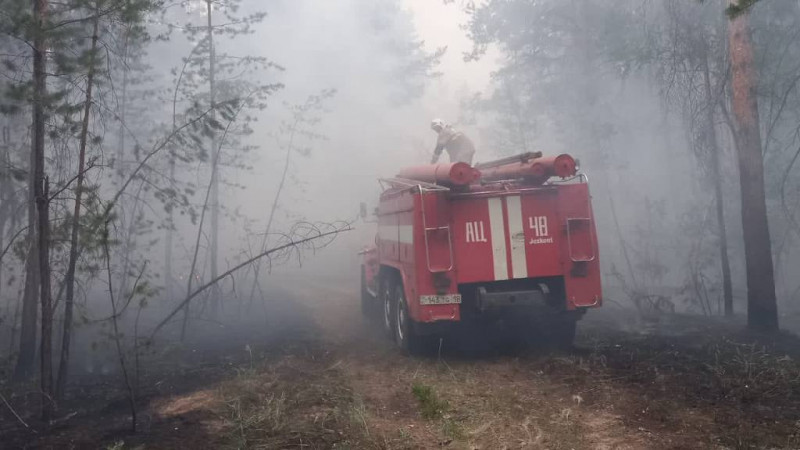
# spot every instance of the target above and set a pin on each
(510, 241)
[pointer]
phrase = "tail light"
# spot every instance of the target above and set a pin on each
(441, 282)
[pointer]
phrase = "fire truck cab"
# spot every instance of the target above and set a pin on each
(510, 241)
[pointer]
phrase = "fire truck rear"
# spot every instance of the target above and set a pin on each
(510, 242)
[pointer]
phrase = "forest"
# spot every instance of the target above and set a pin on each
(184, 197)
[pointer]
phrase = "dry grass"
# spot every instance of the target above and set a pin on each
(431, 407)
(705, 388)
(696, 386)
(294, 402)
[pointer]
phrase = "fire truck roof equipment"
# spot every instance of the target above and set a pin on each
(453, 174)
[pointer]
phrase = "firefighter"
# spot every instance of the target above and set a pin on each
(458, 146)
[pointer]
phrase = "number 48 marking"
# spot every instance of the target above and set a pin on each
(539, 225)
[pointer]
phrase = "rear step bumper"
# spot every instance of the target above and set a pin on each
(510, 299)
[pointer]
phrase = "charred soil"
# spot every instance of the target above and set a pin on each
(318, 375)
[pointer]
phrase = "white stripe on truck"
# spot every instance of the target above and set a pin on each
(519, 262)
(498, 233)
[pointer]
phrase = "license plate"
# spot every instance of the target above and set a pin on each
(440, 299)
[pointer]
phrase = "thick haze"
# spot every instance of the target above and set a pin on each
(371, 134)
(182, 195)
(380, 57)
(376, 125)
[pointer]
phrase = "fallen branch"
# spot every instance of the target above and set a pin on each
(216, 280)
(14, 412)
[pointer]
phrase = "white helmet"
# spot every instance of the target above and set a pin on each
(437, 124)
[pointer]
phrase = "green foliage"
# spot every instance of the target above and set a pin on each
(431, 407)
(565, 63)
(452, 429)
(240, 92)
(736, 9)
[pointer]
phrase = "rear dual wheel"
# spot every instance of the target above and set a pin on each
(367, 302)
(404, 335)
(397, 322)
(387, 304)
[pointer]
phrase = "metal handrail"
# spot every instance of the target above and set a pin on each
(406, 183)
(591, 239)
(589, 218)
(581, 176)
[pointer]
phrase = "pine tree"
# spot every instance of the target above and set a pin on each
(224, 77)
(762, 309)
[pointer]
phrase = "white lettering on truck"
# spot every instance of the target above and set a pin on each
(539, 226)
(476, 232)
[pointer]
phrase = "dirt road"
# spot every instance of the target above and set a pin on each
(490, 400)
(487, 401)
(317, 375)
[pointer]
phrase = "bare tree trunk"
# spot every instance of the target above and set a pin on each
(716, 175)
(41, 194)
(27, 350)
(30, 298)
(69, 278)
(117, 336)
(129, 241)
(727, 289)
(168, 279)
(209, 189)
(275, 201)
(169, 282)
(762, 309)
(14, 318)
(125, 215)
(215, 291)
(6, 202)
(46, 351)
(122, 104)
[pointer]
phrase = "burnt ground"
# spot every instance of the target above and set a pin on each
(317, 375)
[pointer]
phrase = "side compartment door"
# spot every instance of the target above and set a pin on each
(543, 233)
(479, 239)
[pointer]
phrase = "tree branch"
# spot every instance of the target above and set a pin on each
(13, 238)
(219, 278)
(90, 165)
(157, 148)
(15, 413)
